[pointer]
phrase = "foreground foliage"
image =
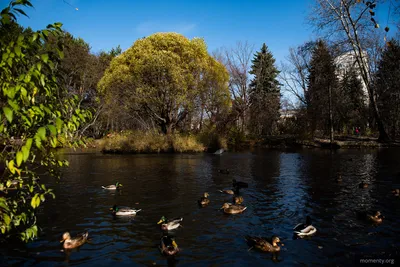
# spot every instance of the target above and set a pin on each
(36, 115)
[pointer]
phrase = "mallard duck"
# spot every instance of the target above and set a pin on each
(262, 244)
(168, 246)
(230, 191)
(224, 171)
(239, 184)
(204, 200)
(123, 211)
(363, 185)
(170, 224)
(396, 192)
(70, 243)
(305, 229)
(113, 186)
(308, 231)
(233, 209)
(238, 200)
(377, 218)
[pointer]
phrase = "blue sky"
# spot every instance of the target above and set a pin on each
(106, 23)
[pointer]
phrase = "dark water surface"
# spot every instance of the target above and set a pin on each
(284, 187)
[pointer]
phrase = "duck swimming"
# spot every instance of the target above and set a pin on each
(239, 184)
(233, 209)
(238, 200)
(123, 211)
(113, 186)
(377, 218)
(70, 243)
(204, 201)
(305, 229)
(263, 244)
(169, 224)
(230, 191)
(168, 246)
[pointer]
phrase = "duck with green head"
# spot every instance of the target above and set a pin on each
(71, 243)
(113, 186)
(169, 224)
(123, 211)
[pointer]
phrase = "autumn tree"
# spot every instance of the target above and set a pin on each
(264, 93)
(161, 78)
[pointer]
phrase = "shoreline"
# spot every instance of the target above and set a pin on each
(273, 142)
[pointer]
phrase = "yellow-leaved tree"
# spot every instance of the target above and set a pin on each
(166, 79)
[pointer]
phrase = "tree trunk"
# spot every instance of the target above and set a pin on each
(330, 115)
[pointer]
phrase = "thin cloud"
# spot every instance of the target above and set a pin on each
(149, 27)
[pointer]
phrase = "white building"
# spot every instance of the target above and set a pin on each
(346, 62)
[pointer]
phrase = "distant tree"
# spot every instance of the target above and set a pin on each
(264, 93)
(237, 61)
(162, 78)
(294, 75)
(351, 108)
(388, 87)
(322, 81)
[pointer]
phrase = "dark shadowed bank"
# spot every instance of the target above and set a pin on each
(340, 142)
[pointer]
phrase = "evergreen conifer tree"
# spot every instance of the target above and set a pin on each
(388, 88)
(321, 79)
(264, 93)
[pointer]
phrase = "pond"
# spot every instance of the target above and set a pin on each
(284, 187)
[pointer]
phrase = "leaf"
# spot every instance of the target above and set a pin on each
(38, 142)
(21, 12)
(45, 57)
(52, 129)
(19, 158)
(59, 124)
(17, 51)
(9, 114)
(25, 153)
(41, 132)
(29, 143)
(6, 219)
(35, 201)
(11, 166)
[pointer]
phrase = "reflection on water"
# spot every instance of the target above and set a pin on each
(284, 187)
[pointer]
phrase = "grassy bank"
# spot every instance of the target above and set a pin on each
(149, 142)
